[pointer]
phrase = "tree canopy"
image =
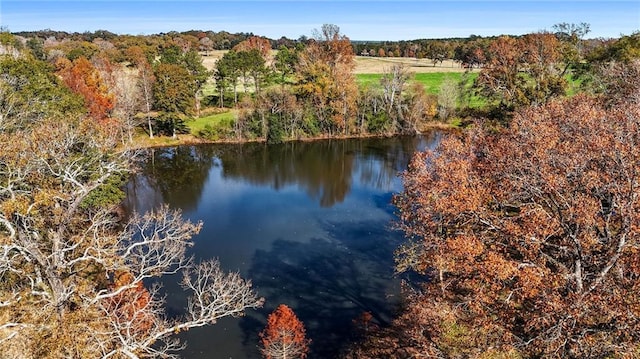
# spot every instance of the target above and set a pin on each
(75, 273)
(529, 235)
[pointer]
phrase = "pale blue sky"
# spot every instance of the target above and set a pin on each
(359, 20)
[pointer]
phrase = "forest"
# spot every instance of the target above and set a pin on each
(523, 224)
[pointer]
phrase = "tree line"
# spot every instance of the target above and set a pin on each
(306, 88)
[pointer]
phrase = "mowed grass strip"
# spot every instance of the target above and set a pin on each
(224, 119)
(431, 80)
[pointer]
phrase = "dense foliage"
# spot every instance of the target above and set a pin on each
(528, 238)
(158, 82)
(284, 336)
(75, 274)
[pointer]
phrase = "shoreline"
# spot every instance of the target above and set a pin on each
(141, 142)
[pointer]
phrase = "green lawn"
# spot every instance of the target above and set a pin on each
(209, 88)
(430, 80)
(433, 81)
(367, 80)
(216, 120)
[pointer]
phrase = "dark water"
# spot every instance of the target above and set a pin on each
(308, 223)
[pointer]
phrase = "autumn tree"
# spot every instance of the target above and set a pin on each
(83, 78)
(543, 63)
(261, 44)
(472, 53)
(619, 82)
(529, 236)
(284, 336)
(75, 274)
(419, 107)
(325, 79)
(523, 71)
(501, 79)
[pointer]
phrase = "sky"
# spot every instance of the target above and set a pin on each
(357, 19)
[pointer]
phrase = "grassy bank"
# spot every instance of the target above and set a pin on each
(215, 120)
(431, 81)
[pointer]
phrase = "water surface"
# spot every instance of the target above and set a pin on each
(308, 223)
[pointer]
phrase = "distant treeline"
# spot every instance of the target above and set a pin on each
(307, 88)
(455, 48)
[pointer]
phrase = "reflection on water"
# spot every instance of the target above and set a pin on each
(307, 222)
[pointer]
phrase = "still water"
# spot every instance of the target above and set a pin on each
(308, 223)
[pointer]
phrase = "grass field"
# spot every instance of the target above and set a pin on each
(215, 120)
(364, 64)
(431, 81)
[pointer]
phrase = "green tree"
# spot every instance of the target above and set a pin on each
(285, 63)
(571, 37)
(626, 49)
(227, 73)
(174, 95)
(36, 45)
(256, 67)
(193, 63)
(30, 92)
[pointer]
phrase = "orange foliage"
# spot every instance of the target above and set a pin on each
(284, 335)
(531, 234)
(130, 305)
(84, 79)
(325, 71)
(262, 44)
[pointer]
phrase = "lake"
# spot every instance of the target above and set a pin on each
(310, 223)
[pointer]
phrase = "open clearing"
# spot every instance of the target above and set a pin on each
(378, 65)
(365, 64)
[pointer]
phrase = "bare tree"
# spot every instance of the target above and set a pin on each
(393, 82)
(72, 275)
(448, 98)
(129, 93)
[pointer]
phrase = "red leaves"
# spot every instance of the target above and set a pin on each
(262, 44)
(284, 336)
(130, 304)
(84, 79)
(533, 231)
